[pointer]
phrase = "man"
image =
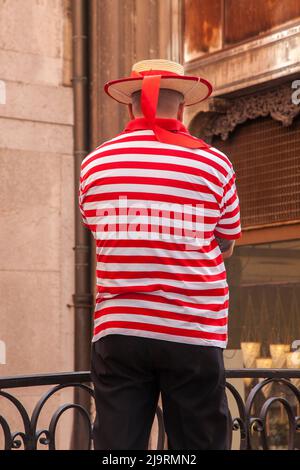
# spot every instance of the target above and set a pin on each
(159, 202)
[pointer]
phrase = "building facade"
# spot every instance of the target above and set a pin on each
(37, 211)
(250, 52)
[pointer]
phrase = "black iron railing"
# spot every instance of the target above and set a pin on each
(267, 418)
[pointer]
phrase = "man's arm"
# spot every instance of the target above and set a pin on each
(226, 246)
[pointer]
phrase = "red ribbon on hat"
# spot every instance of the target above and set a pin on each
(149, 100)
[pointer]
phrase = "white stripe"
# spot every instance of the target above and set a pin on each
(151, 189)
(158, 252)
(155, 267)
(160, 306)
(145, 204)
(144, 173)
(143, 282)
(163, 336)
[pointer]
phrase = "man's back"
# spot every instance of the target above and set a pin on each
(134, 192)
(156, 198)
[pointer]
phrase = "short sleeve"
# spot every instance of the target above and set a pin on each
(229, 224)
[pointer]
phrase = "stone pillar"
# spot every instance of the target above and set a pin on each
(37, 208)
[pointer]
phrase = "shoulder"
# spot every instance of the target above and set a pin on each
(222, 160)
(101, 149)
(221, 156)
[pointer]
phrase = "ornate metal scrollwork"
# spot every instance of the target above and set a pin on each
(238, 423)
(225, 114)
(31, 436)
(258, 423)
(251, 422)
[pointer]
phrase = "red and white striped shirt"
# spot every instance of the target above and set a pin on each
(151, 282)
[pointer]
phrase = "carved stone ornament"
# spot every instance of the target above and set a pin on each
(276, 102)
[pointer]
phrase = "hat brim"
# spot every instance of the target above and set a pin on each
(194, 89)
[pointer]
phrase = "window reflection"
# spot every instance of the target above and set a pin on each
(264, 285)
(264, 321)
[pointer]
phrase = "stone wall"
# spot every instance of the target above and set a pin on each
(36, 171)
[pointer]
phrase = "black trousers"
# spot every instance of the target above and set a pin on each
(129, 372)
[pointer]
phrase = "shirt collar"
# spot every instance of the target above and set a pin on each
(166, 123)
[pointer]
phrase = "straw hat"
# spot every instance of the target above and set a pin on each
(194, 89)
(150, 76)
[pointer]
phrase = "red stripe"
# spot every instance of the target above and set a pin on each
(160, 275)
(155, 287)
(160, 329)
(183, 317)
(129, 259)
(153, 244)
